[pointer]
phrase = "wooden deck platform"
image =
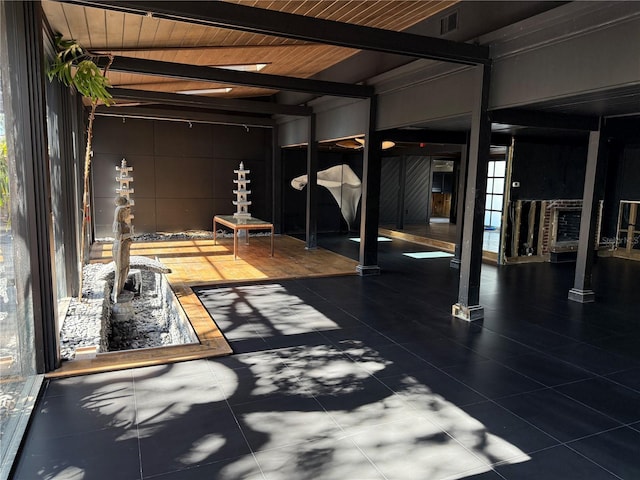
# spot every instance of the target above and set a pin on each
(199, 262)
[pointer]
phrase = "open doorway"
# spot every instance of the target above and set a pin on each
(442, 185)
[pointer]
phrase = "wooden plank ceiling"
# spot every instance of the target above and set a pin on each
(157, 39)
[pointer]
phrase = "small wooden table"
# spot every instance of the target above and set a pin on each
(241, 223)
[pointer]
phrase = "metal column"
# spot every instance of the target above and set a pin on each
(276, 180)
(370, 205)
(468, 306)
(460, 194)
(594, 183)
(312, 187)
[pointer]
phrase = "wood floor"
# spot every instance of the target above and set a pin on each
(199, 262)
(437, 235)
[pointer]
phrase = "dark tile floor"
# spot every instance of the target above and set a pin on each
(371, 378)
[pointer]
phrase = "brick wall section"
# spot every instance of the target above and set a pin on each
(548, 217)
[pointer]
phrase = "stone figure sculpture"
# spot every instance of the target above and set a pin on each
(343, 184)
(122, 232)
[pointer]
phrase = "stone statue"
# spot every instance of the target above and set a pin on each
(122, 231)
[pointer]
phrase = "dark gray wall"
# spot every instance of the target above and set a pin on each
(294, 205)
(548, 171)
(415, 180)
(390, 190)
(183, 175)
(417, 194)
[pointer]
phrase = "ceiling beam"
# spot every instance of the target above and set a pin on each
(425, 136)
(300, 27)
(152, 113)
(233, 77)
(199, 101)
(532, 118)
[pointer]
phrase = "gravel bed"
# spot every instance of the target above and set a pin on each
(157, 320)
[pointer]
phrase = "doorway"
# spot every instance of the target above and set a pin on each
(442, 181)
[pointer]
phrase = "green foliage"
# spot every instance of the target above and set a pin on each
(74, 66)
(4, 174)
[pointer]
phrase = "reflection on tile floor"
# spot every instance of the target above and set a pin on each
(370, 378)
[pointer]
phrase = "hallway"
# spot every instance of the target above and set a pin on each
(371, 378)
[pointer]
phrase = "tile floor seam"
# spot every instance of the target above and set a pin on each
(246, 440)
(138, 443)
(585, 405)
(532, 347)
(592, 375)
(617, 427)
(594, 462)
(560, 442)
(503, 463)
(220, 384)
(369, 459)
(542, 387)
(606, 377)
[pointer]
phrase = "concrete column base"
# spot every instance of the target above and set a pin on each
(366, 270)
(470, 314)
(582, 296)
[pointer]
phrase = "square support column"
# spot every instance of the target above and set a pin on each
(462, 187)
(594, 183)
(312, 187)
(370, 204)
(276, 181)
(468, 306)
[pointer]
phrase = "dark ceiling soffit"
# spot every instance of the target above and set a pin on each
(300, 27)
(199, 101)
(425, 136)
(180, 116)
(232, 77)
(530, 118)
(447, 137)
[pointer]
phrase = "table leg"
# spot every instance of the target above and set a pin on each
(214, 231)
(272, 240)
(246, 237)
(235, 243)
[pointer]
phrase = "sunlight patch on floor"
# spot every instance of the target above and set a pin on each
(361, 423)
(421, 255)
(380, 239)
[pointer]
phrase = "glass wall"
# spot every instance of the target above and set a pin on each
(21, 341)
(18, 380)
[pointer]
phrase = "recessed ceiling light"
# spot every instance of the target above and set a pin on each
(386, 144)
(205, 91)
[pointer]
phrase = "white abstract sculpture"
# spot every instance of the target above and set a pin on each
(343, 184)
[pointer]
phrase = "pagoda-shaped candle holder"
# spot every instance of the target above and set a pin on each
(124, 178)
(241, 193)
